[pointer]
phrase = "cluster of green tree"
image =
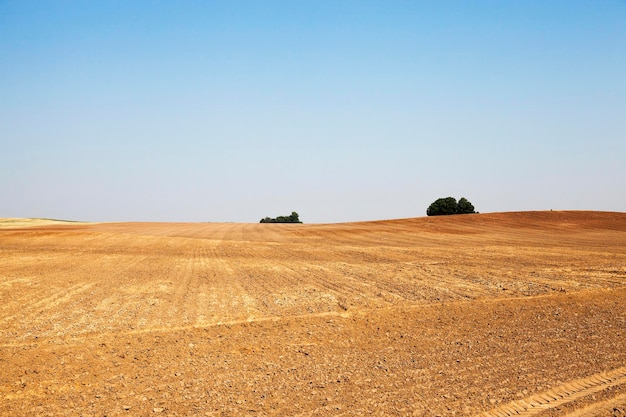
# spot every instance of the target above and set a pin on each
(449, 205)
(293, 218)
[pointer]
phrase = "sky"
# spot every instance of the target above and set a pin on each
(231, 111)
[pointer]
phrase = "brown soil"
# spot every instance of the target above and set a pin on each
(502, 314)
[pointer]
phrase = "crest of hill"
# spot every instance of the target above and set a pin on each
(547, 227)
(477, 223)
(454, 224)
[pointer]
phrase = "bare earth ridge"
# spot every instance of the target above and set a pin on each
(498, 314)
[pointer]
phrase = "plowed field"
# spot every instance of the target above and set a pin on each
(501, 314)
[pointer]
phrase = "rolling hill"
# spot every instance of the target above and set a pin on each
(501, 313)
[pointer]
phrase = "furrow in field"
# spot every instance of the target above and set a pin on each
(218, 295)
(99, 308)
(282, 287)
(277, 289)
(224, 298)
(185, 282)
(46, 284)
(206, 297)
(56, 303)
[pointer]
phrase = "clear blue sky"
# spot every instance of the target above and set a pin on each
(339, 110)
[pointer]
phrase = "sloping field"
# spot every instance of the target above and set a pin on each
(13, 223)
(502, 314)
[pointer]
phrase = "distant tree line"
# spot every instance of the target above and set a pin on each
(292, 218)
(449, 205)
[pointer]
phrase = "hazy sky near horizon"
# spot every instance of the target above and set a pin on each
(339, 110)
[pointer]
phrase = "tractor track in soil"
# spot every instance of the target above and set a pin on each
(561, 394)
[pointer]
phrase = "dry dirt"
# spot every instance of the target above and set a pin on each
(502, 314)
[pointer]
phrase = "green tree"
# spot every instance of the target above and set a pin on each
(292, 218)
(442, 207)
(465, 207)
(449, 205)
